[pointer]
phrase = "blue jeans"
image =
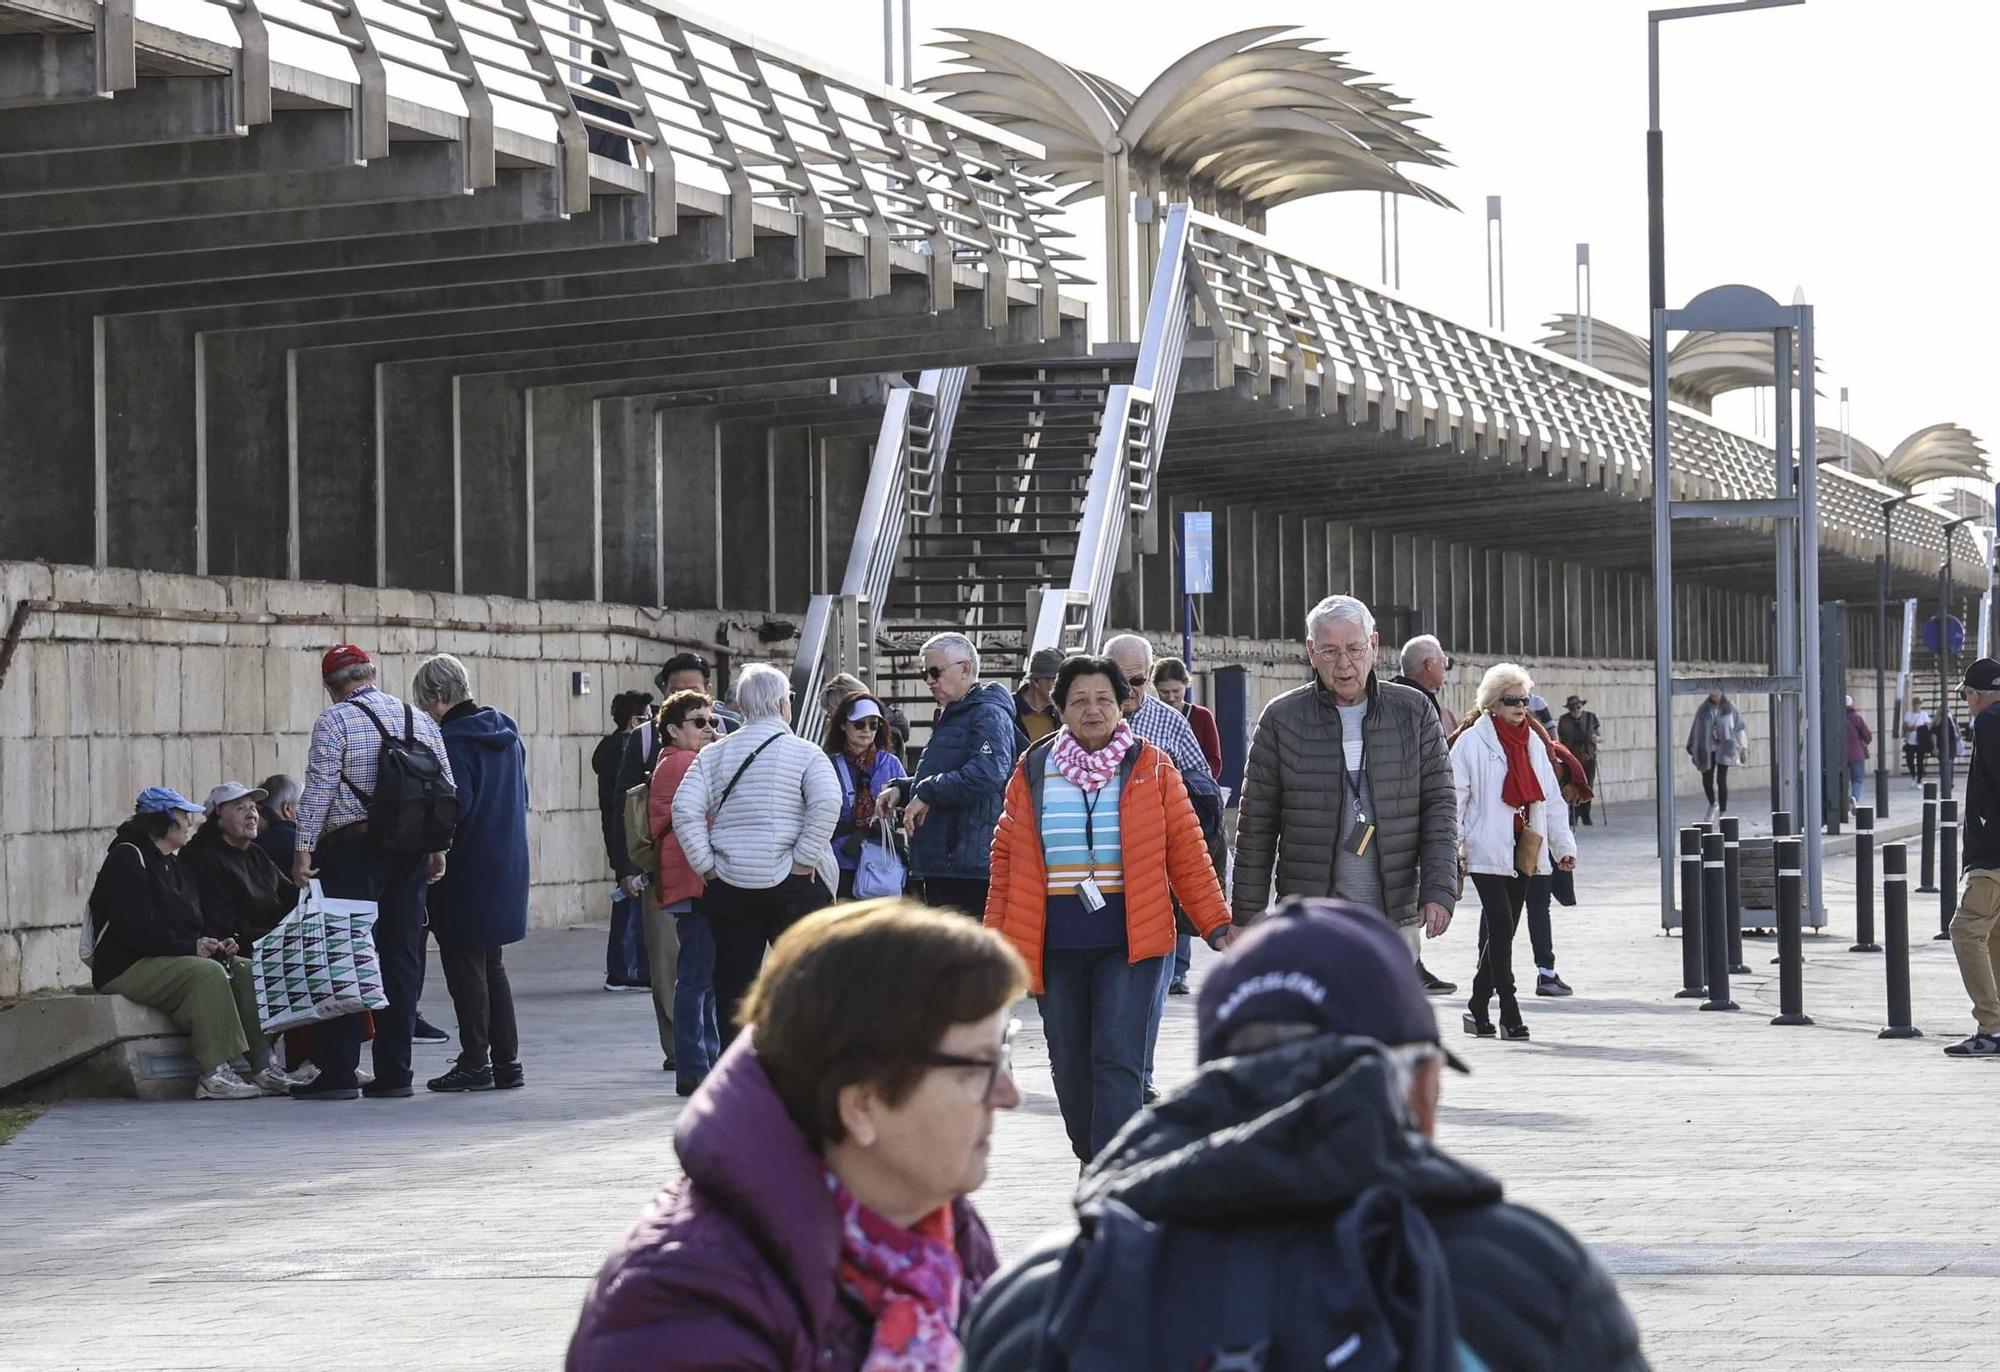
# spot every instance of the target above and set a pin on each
(697, 1036)
(625, 948)
(1169, 969)
(1855, 773)
(1183, 957)
(1096, 1010)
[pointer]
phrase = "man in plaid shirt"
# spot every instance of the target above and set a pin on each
(334, 845)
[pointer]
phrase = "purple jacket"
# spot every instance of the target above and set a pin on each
(733, 1266)
(1858, 736)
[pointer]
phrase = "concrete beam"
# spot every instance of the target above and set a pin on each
(162, 109)
(47, 69)
(295, 142)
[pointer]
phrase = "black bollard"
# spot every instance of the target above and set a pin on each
(1864, 881)
(1692, 970)
(1781, 823)
(1787, 857)
(1715, 922)
(1925, 886)
(1947, 866)
(1732, 874)
(1896, 934)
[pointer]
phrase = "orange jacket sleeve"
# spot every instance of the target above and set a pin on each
(1016, 825)
(1189, 871)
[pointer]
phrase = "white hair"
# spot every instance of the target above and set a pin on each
(350, 676)
(441, 681)
(958, 645)
(1114, 644)
(1500, 679)
(761, 691)
(1344, 607)
(1420, 650)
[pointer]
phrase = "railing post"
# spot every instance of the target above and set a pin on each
(1896, 934)
(1947, 866)
(1732, 873)
(1928, 861)
(1787, 855)
(1693, 987)
(1715, 917)
(1864, 881)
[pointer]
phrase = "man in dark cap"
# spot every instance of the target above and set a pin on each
(1579, 731)
(1975, 926)
(1035, 703)
(1317, 1101)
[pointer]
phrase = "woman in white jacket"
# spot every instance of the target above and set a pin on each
(1506, 785)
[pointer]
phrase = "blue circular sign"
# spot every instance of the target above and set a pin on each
(1957, 634)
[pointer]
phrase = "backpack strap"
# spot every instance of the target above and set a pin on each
(728, 790)
(387, 737)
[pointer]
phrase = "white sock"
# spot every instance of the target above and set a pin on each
(1546, 971)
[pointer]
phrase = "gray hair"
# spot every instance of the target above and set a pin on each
(280, 791)
(1344, 607)
(1499, 678)
(956, 644)
(351, 676)
(761, 692)
(1112, 646)
(442, 681)
(1420, 650)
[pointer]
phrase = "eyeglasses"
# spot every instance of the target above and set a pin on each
(933, 673)
(700, 721)
(1330, 653)
(1142, 681)
(1513, 700)
(994, 1066)
(871, 723)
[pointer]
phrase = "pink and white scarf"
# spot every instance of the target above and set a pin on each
(909, 1281)
(1089, 772)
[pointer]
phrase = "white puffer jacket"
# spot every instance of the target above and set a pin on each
(1486, 823)
(782, 812)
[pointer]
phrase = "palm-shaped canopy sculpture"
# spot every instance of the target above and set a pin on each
(1937, 452)
(1700, 367)
(1243, 122)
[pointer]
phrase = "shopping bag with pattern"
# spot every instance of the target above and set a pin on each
(319, 964)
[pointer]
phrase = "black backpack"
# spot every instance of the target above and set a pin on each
(1366, 1291)
(413, 808)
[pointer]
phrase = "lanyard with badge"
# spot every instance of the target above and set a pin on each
(1361, 832)
(1087, 890)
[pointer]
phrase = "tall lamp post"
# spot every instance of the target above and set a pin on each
(1949, 736)
(1882, 662)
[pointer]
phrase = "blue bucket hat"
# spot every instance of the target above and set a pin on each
(157, 799)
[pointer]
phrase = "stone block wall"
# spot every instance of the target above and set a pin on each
(98, 704)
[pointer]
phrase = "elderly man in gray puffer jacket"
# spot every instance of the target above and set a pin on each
(1348, 789)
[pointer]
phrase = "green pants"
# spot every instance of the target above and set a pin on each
(215, 1004)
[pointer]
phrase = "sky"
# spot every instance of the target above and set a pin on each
(1842, 146)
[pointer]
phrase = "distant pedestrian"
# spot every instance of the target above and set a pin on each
(950, 805)
(1916, 741)
(1975, 928)
(1034, 708)
(1717, 741)
(625, 967)
(820, 1220)
(684, 969)
(151, 948)
(1425, 663)
(1580, 731)
(755, 816)
(1097, 838)
(340, 830)
(1539, 708)
(278, 829)
(845, 684)
(1514, 825)
(1170, 684)
(858, 744)
(480, 905)
(1859, 739)
(244, 894)
(1348, 789)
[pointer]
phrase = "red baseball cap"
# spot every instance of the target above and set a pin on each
(339, 657)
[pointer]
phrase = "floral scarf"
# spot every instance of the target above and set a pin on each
(862, 769)
(908, 1280)
(1089, 772)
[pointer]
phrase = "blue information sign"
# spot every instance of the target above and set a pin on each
(1197, 552)
(1957, 634)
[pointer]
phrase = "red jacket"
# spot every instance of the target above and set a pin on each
(1201, 719)
(676, 879)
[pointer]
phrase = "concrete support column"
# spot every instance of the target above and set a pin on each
(631, 490)
(416, 475)
(747, 573)
(1292, 602)
(330, 427)
(1155, 574)
(1241, 590)
(244, 387)
(490, 458)
(1423, 561)
(795, 516)
(564, 492)
(691, 538)
(1270, 563)
(152, 480)
(48, 459)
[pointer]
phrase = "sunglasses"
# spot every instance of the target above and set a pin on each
(934, 673)
(700, 721)
(871, 723)
(1002, 1062)
(1142, 681)
(1513, 700)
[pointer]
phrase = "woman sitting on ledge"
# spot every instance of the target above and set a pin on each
(151, 949)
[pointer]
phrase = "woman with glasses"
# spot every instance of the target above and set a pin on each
(820, 1223)
(1513, 825)
(683, 994)
(1097, 840)
(862, 748)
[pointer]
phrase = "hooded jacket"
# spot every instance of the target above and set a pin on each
(482, 899)
(143, 906)
(735, 1264)
(1293, 815)
(243, 895)
(1293, 1135)
(962, 776)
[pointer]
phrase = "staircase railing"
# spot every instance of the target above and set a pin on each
(1124, 474)
(905, 477)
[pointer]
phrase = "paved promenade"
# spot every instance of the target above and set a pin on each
(1809, 1199)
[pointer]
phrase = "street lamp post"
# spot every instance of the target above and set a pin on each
(1881, 663)
(1948, 736)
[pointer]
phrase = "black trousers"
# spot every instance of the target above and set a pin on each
(1541, 892)
(1715, 785)
(745, 921)
(353, 868)
(484, 1000)
(1500, 901)
(967, 895)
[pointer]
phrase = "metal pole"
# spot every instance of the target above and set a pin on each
(1732, 872)
(909, 67)
(1864, 881)
(1882, 667)
(1947, 866)
(1788, 749)
(1945, 758)
(1715, 917)
(1788, 855)
(1663, 616)
(1493, 232)
(1692, 969)
(888, 42)
(1896, 933)
(1925, 886)
(1806, 446)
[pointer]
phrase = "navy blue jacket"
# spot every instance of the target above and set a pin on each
(1981, 833)
(962, 776)
(482, 899)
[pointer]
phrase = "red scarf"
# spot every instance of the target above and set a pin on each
(908, 1280)
(1521, 787)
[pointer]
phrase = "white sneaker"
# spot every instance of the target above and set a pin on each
(362, 1077)
(275, 1081)
(305, 1074)
(224, 1084)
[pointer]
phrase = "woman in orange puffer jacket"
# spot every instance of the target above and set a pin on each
(1097, 833)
